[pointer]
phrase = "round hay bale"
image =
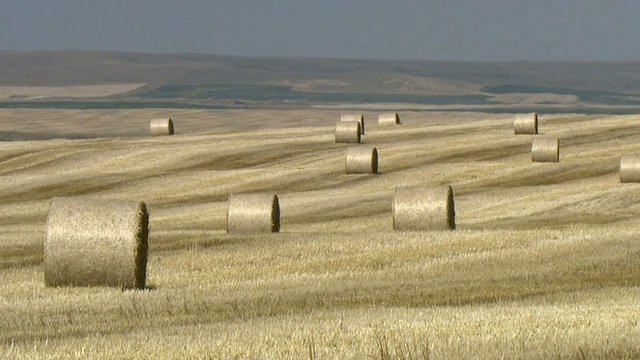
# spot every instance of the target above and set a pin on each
(427, 208)
(525, 124)
(545, 149)
(354, 117)
(361, 160)
(348, 132)
(630, 168)
(253, 213)
(389, 119)
(159, 127)
(92, 242)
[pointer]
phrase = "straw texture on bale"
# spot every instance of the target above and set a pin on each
(348, 132)
(361, 160)
(159, 127)
(545, 149)
(354, 117)
(526, 124)
(630, 168)
(92, 242)
(253, 213)
(389, 119)
(427, 208)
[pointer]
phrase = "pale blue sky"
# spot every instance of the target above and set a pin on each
(491, 30)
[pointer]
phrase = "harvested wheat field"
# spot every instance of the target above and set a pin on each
(544, 262)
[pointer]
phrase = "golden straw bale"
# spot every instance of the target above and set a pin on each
(389, 119)
(361, 160)
(630, 168)
(253, 213)
(354, 117)
(423, 208)
(545, 149)
(161, 126)
(92, 242)
(348, 132)
(526, 124)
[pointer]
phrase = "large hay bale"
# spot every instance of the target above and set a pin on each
(253, 213)
(361, 160)
(354, 117)
(92, 242)
(348, 132)
(161, 126)
(630, 168)
(545, 149)
(426, 208)
(389, 119)
(526, 124)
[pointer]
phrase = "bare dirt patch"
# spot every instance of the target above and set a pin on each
(82, 91)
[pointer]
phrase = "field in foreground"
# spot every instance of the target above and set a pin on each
(544, 262)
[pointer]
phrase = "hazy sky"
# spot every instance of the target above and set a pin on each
(385, 29)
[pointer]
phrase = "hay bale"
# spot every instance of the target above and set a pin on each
(253, 213)
(92, 242)
(630, 168)
(545, 149)
(348, 132)
(389, 119)
(354, 117)
(361, 160)
(525, 124)
(162, 126)
(427, 208)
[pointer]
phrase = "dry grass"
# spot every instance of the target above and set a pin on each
(543, 264)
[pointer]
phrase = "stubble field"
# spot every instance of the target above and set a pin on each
(544, 262)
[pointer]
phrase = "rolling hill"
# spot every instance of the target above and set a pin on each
(210, 81)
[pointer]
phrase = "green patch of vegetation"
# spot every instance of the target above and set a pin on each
(284, 94)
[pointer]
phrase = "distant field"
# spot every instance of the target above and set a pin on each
(280, 93)
(83, 91)
(544, 263)
(85, 80)
(587, 96)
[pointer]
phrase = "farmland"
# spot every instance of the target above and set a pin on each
(543, 264)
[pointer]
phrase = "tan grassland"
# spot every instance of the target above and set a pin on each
(544, 262)
(80, 91)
